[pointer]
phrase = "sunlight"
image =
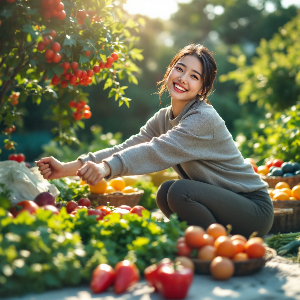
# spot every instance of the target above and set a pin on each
(154, 8)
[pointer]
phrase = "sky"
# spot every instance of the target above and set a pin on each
(165, 8)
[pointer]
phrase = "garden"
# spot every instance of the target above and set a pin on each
(79, 76)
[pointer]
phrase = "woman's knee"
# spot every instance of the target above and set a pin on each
(162, 191)
(178, 195)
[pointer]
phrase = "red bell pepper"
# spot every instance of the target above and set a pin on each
(150, 272)
(174, 283)
(127, 275)
(102, 278)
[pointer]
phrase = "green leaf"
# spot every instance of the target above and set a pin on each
(6, 13)
(83, 59)
(58, 70)
(108, 83)
(69, 41)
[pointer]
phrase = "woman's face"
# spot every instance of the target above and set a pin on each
(185, 79)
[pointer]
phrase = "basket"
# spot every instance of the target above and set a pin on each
(240, 267)
(116, 199)
(286, 216)
(273, 180)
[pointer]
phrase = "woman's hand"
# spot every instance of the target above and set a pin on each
(51, 168)
(92, 173)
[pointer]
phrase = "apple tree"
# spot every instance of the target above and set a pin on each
(50, 49)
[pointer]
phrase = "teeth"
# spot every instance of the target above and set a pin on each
(179, 88)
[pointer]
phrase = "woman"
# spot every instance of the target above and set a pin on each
(215, 185)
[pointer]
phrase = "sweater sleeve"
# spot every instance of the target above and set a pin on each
(191, 139)
(147, 132)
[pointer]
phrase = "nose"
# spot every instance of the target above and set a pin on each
(182, 78)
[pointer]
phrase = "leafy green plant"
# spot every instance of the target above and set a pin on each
(148, 200)
(278, 137)
(45, 251)
(273, 78)
(48, 51)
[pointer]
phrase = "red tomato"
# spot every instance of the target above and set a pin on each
(41, 46)
(183, 249)
(52, 33)
(127, 274)
(114, 56)
(61, 15)
(81, 14)
(56, 58)
(87, 114)
(90, 73)
(84, 202)
(46, 40)
(102, 278)
(51, 208)
(277, 163)
(137, 210)
(20, 157)
(27, 205)
(255, 168)
(96, 212)
(55, 46)
(77, 115)
(74, 65)
(109, 60)
(49, 53)
(125, 207)
(87, 52)
(96, 69)
(64, 83)
(13, 157)
(174, 284)
(78, 73)
(105, 209)
(269, 164)
(71, 205)
(66, 65)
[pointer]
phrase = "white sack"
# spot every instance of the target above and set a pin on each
(24, 183)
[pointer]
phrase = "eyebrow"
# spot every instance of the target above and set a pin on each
(192, 70)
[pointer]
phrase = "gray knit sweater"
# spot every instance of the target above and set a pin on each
(197, 140)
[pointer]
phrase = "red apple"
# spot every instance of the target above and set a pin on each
(44, 198)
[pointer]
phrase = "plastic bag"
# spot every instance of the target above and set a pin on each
(24, 183)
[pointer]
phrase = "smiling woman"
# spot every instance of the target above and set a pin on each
(153, 8)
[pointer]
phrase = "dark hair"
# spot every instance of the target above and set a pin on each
(208, 64)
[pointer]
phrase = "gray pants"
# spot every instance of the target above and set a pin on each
(202, 204)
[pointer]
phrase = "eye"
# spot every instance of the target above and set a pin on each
(195, 77)
(178, 68)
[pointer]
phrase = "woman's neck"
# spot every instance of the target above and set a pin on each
(177, 106)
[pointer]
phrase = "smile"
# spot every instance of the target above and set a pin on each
(179, 88)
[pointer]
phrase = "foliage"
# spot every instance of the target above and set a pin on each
(148, 200)
(69, 190)
(5, 193)
(48, 251)
(26, 73)
(273, 78)
(66, 153)
(278, 136)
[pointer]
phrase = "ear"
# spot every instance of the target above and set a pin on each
(202, 91)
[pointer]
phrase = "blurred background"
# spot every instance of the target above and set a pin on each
(232, 29)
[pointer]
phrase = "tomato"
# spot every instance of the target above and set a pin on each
(49, 53)
(77, 115)
(41, 46)
(137, 210)
(87, 114)
(62, 15)
(109, 60)
(150, 272)
(27, 205)
(84, 74)
(56, 58)
(194, 236)
(183, 249)
(55, 46)
(82, 103)
(102, 278)
(90, 73)
(13, 157)
(13, 128)
(174, 284)
(105, 209)
(46, 40)
(81, 14)
(96, 212)
(72, 103)
(60, 6)
(44, 198)
(221, 268)
(114, 56)
(64, 84)
(52, 208)
(123, 206)
(87, 52)
(73, 79)
(127, 274)
(74, 65)
(96, 69)
(216, 230)
(277, 163)
(254, 248)
(78, 73)
(66, 65)
(269, 164)
(84, 202)
(52, 33)
(20, 157)
(71, 205)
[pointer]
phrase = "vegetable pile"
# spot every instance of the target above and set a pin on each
(47, 250)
